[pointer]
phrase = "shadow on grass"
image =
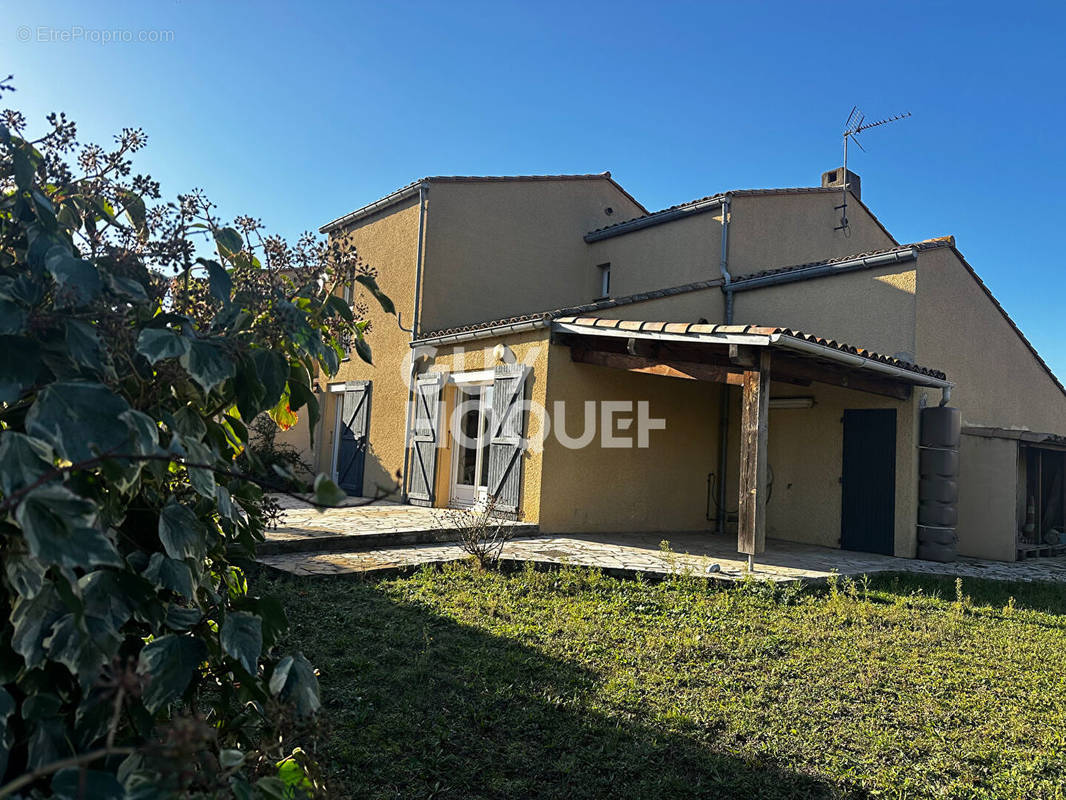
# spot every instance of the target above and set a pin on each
(421, 706)
(1043, 596)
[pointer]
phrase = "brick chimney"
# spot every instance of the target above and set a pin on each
(834, 179)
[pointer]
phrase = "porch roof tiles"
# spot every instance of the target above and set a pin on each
(697, 329)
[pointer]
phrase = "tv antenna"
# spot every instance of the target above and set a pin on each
(855, 125)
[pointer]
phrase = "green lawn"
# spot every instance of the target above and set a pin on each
(454, 684)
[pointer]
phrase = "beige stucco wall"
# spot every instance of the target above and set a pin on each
(781, 230)
(669, 254)
(531, 349)
(389, 243)
(659, 488)
(806, 449)
(998, 381)
(707, 304)
(765, 231)
(988, 487)
(501, 248)
(872, 308)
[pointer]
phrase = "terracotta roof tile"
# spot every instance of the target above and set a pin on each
(763, 330)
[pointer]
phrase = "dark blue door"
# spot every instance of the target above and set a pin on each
(868, 511)
(354, 432)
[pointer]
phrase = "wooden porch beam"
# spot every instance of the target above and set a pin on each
(653, 366)
(796, 369)
(754, 436)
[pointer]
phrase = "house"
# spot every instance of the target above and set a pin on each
(753, 363)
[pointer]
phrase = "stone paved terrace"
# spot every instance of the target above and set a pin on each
(359, 525)
(701, 553)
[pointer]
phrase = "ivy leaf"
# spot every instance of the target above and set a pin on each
(79, 419)
(135, 210)
(143, 432)
(229, 241)
(166, 573)
(337, 304)
(293, 681)
(328, 493)
(57, 525)
(202, 480)
(23, 460)
(242, 639)
(31, 619)
(19, 364)
(77, 280)
(182, 619)
(362, 348)
(180, 532)
(218, 279)
(124, 287)
(155, 344)
(272, 370)
(207, 364)
(25, 573)
(7, 708)
(169, 663)
(83, 344)
(229, 758)
(372, 285)
(282, 414)
(83, 651)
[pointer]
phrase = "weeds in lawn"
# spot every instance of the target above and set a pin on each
(479, 531)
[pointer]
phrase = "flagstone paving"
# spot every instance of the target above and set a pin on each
(360, 524)
(699, 553)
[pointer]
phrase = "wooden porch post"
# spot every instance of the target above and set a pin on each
(754, 427)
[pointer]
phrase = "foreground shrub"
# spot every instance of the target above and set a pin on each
(133, 656)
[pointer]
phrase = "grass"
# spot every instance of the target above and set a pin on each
(453, 683)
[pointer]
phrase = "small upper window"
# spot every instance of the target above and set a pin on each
(349, 288)
(605, 280)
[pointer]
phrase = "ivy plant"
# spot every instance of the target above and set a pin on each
(138, 341)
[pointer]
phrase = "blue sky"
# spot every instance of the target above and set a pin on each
(297, 113)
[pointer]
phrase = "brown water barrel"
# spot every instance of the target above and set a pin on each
(938, 487)
(941, 427)
(942, 490)
(938, 463)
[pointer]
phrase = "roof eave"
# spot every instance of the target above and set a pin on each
(766, 338)
(385, 202)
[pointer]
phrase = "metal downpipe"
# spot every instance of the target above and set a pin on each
(723, 417)
(423, 202)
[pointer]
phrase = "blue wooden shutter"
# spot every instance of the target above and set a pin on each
(355, 427)
(425, 440)
(506, 442)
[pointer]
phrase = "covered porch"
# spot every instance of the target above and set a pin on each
(872, 396)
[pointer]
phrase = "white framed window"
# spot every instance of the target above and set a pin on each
(605, 279)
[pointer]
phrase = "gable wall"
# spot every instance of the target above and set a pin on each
(502, 248)
(873, 308)
(669, 254)
(389, 243)
(767, 231)
(999, 383)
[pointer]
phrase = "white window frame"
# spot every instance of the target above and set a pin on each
(479, 495)
(605, 279)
